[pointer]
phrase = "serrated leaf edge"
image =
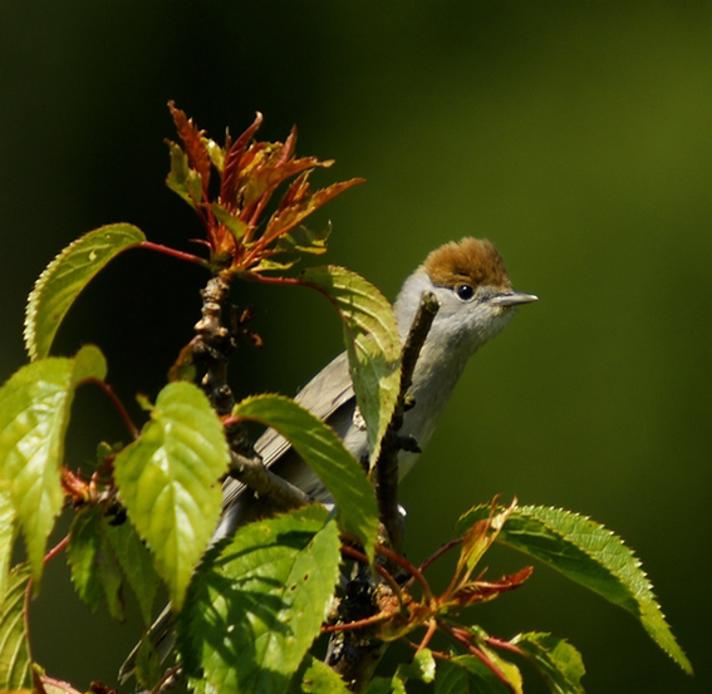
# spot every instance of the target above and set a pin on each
(29, 333)
(647, 589)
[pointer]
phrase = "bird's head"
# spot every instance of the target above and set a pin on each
(476, 298)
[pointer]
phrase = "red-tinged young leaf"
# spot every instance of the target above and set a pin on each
(194, 144)
(228, 187)
(54, 686)
(35, 406)
(476, 540)
(482, 591)
(285, 219)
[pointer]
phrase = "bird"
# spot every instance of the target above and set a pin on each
(472, 286)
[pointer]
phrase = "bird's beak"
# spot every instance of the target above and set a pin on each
(513, 299)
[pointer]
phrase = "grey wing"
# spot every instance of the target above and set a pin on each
(327, 392)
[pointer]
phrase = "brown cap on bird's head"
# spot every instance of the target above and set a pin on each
(470, 261)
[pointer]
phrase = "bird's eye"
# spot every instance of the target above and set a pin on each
(464, 291)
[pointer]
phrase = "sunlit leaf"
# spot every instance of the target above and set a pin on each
(557, 659)
(591, 555)
(94, 570)
(372, 342)
(7, 533)
(181, 179)
(319, 678)
(304, 240)
(14, 651)
(34, 413)
(168, 481)
(65, 277)
(322, 449)
(255, 608)
(483, 679)
(216, 153)
(232, 221)
(421, 668)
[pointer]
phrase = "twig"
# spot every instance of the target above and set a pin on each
(430, 632)
(175, 253)
(253, 473)
(118, 405)
(168, 678)
(386, 575)
(504, 645)
(462, 637)
(59, 547)
(409, 567)
(439, 553)
(386, 468)
(358, 623)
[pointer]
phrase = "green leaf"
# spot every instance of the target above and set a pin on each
(557, 659)
(591, 555)
(386, 685)
(421, 668)
(14, 651)
(484, 679)
(181, 179)
(149, 666)
(136, 563)
(372, 343)
(34, 413)
(94, 570)
(319, 678)
(255, 608)
(232, 221)
(304, 240)
(451, 679)
(215, 152)
(324, 451)
(168, 481)
(65, 277)
(7, 533)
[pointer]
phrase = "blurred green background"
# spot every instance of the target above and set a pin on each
(577, 136)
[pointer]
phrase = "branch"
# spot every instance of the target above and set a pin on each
(387, 464)
(211, 347)
(352, 654)
(253, 473)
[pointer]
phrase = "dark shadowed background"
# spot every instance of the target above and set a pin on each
(575, 135)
